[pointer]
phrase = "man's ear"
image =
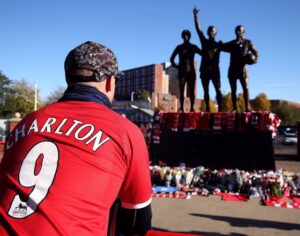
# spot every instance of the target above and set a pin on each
(108, 85)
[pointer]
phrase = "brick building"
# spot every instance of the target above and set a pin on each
(160, 80)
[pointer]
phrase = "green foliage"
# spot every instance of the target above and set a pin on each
(289, 114)
(4, 86)
(261, 103)
(240, 103)
(161, 107)
(226, 103)
(212, 106)
(144, 95)
(5, 83)
(22, 99)
(17, 96)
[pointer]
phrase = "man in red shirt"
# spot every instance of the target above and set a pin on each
(65, 165)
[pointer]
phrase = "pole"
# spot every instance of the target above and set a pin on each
(35, 96)
(149, 102)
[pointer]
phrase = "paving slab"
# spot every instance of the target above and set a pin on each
(212, 216)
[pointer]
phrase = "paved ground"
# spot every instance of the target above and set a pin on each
(212, 216)
(293, 166)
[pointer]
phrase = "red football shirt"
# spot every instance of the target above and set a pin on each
(65, 165)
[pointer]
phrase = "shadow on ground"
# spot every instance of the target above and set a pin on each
(240, 222)
(202, 233)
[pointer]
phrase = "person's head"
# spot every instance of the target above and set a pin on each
(186, 35)
(211, 31)
(240, 31)
(94, 65)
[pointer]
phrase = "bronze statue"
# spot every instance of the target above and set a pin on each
(242, 52)
(186, 69)
(209, 68)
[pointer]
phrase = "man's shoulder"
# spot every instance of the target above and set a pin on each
(248, 41)
(190, 45)
(181, 46)
(231, 41)
(202, 37)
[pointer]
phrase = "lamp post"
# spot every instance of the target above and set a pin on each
(35, 96)
(132, 96)
(149, 102)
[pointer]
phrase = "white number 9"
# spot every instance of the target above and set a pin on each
(41, 182)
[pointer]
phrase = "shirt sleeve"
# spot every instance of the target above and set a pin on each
(136, 190)
(198, 50)
(226, 47)
(253, 49)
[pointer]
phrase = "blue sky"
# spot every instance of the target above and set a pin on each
(37, 35)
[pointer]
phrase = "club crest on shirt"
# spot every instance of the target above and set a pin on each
(20, 210)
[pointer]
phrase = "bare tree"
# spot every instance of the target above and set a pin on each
(55, 95)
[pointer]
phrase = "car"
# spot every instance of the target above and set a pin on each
(290, 136)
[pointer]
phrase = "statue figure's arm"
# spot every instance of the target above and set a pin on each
(253, 50)
(197, 23)
(172, 58)
(198, 50)
(225, 47)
